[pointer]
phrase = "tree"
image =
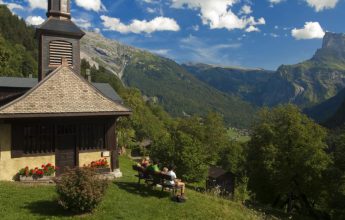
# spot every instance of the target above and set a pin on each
(190, 157)
(287, 158)
(335, 179)
(216, 136)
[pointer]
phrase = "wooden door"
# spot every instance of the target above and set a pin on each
(66, 155)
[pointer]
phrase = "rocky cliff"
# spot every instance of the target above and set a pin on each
(112, 55)
(305, 84)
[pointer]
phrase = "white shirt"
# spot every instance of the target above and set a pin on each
(173, 177)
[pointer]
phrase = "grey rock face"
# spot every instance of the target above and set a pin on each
(98, 50)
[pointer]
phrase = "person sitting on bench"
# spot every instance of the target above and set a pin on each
(145, 162)
(174, 181)
(153, 167)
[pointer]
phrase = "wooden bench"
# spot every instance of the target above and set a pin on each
(153, 179)
(164, 179)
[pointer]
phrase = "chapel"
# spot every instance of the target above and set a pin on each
(61, 117)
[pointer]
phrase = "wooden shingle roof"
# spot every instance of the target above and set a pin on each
(28, 83)
(62, 93)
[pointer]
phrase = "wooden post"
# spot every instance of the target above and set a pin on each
(111, 142)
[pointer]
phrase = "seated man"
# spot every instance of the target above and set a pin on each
(153, 167)
(174, 181)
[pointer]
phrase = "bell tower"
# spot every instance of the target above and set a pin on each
(59, 8)
(59, 38)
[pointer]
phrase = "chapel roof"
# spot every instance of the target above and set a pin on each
(58, 26)
(62, 93)
(28, 83)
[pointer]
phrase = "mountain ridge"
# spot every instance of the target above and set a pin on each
(305, 84)
(163, 80)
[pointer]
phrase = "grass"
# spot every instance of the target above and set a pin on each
(235, 135)
(124, 200)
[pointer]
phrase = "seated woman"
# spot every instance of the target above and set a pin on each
(174, 181)
(145, 162)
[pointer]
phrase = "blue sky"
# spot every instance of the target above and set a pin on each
(250, 33)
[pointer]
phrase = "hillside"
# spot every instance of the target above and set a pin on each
(323, 111)
(165, 81)
(338, 118)
(244, 83)
(18, 48)
(123, 200)
(305, 84)
(312, 81)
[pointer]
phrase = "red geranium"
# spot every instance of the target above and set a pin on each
(101, 163)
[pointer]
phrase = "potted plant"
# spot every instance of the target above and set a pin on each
(43, 174)
(100, 166)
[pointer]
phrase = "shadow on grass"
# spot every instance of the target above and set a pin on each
(142, 190)
(48, 208)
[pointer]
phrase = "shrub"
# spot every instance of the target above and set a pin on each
(80, 190)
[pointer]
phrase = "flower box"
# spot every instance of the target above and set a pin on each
(45, 174)
(100, 166)
(102, 170)
(31, 179)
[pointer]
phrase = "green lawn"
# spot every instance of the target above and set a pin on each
(124, 200)
(237, 136)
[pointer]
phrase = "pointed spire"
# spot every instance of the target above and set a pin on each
(59, 8)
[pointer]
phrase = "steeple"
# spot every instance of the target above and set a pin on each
(58, 39)
(59, 8)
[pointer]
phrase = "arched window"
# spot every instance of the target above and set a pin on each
(59, 49)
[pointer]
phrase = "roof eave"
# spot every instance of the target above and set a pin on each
(67, 114)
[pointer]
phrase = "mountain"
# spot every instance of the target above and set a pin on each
(242, 82)
(337, 119)
(325, 110)
(305, 84)
(314, 80)
(163, 80)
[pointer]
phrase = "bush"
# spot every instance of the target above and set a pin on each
(80, 190)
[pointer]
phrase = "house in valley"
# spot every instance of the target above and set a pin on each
(222, 180)
(59, 118)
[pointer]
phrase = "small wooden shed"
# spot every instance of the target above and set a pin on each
(218, 177)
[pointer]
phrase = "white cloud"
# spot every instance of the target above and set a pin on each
(13, 6)
(273, 2)
(97, 30)
(217, 13)
(91, 5)
(311, 30)
(83, 23)
(162, 52)
(274, 35)
(34, 20)
(137, 26)
(195, 27)
(252, 29)
(198, 50)
(40, 4)
(320, 5)
(151, 10)
(246, 9)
